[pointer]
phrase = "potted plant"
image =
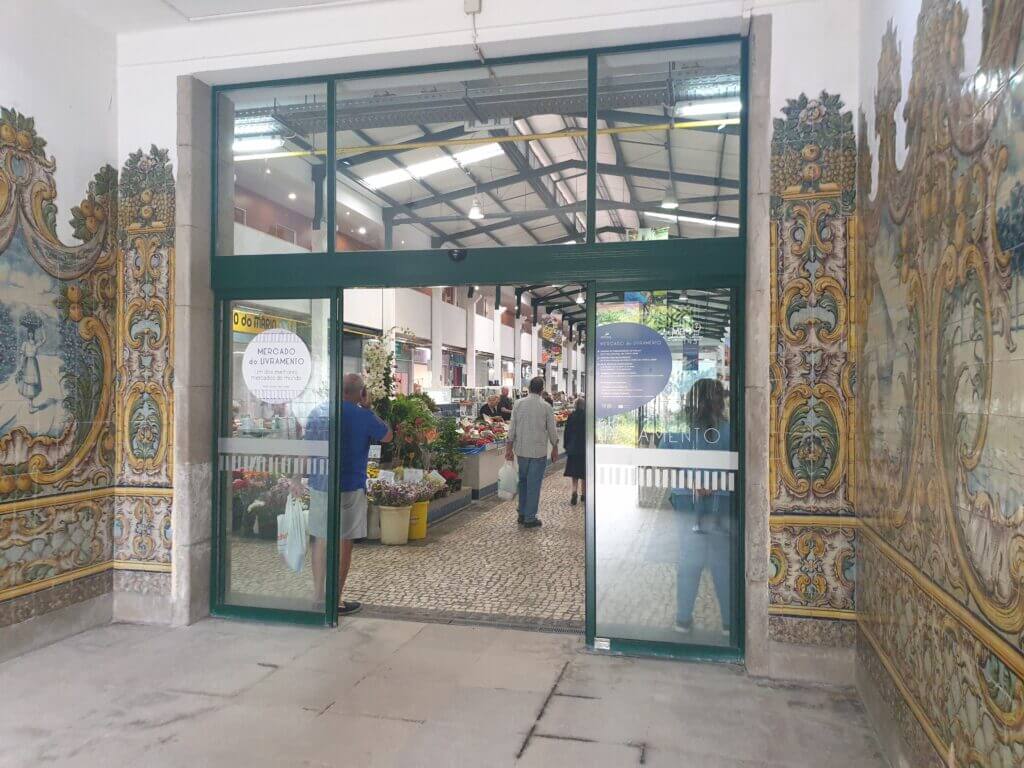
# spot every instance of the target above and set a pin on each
(445, 455)
(414, 426)
(395, 500)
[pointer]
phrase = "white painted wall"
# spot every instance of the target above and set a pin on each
(365, 307)
(815, 47)
(412, 312)
(484, 334)
(62, 71)
(249, 240)
(453, 324)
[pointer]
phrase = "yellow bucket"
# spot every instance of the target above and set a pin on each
(418, 520)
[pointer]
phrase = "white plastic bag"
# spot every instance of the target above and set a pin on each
(508, 481)
(293, 534)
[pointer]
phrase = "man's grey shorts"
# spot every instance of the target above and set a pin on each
(353, 514)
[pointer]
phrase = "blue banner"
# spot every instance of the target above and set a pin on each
(634, 364)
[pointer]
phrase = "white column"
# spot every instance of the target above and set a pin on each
(580, 366)
(496, 330)
(556, 370)
(471, 341)
(436, 325)
(535, 342)
(571, 351)
(517, 352)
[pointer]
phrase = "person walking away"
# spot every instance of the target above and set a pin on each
(575, 439)
(505, 404)
(360, 427)
(532, 430)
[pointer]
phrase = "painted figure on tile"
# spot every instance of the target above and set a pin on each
(29, 382)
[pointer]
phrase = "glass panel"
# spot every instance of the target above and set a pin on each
(665, 468)
(271, 170)
(669, 143)
(440, 160)
(273, 454)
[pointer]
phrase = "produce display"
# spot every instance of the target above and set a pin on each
(481, 433)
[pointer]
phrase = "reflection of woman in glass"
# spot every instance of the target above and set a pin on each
(705, 530)
(30, 383)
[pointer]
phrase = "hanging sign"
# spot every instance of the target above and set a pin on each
(634, 364)
(276, 366)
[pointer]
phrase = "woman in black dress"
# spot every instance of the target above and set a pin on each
(575, 439)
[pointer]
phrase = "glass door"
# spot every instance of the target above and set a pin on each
(273, 498)
(666, 517)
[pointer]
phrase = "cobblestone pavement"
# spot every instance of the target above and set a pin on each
(480, 561)
(479, 566)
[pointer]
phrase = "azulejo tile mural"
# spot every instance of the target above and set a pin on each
(146, 322)
(85, 374)
(813, 534)
(940, 488)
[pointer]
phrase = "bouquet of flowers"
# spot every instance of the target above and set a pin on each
(431, 487)
(385, 493)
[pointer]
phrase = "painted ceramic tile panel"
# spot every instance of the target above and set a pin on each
(940, 404)
(142, 524)
(142, 529)
(57, 306)
(39, 544)
(812, 567)
(85, 369)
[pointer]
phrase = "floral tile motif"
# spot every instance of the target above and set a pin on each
(812, 567)
(146, 321)
(142, 529)
(812, 368)
(46, 542)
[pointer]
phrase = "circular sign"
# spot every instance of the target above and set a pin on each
(276, 366)
(634, 364)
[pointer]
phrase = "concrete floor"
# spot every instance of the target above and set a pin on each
(394, 693)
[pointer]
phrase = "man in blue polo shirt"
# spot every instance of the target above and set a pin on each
(360, 427)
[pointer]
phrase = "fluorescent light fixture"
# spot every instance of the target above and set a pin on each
(710, 107)
(291, 195)
(475, 213)
(256, 144)
(708, 222)
(255, 126)
(433, 166)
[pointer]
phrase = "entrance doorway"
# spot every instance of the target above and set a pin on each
(621, 170)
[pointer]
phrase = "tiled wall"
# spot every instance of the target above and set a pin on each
(85, 341)
(813, 253)
(939, 332)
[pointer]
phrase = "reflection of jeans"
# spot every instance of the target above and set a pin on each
(531, 475)
(710, 549)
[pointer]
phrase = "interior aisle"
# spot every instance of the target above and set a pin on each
(480, 565)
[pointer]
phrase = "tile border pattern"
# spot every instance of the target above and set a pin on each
(813, 533)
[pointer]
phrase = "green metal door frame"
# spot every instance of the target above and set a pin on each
(676, 264)
(698, 280)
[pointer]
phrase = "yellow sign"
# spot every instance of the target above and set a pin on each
(256, 322)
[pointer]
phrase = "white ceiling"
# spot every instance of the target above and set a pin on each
(135, 15)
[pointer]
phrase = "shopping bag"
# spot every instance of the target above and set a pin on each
(508, 481)
(292, 534)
